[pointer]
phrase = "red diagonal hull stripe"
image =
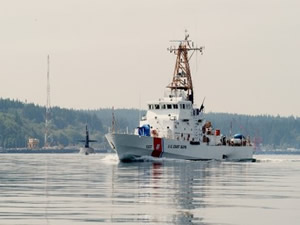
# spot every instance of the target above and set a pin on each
(158, 147)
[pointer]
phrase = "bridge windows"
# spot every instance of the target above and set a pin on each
(185, 106)
(168, 106)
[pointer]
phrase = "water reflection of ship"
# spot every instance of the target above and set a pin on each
(184, 198)
(186, 178)
(177, 187)
(181, 191)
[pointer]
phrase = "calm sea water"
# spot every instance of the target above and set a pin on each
(98, 189)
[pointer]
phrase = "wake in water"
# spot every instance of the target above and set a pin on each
(147, 159)
(113, 159)
(132, 159)
(110, 159)
(278, 159)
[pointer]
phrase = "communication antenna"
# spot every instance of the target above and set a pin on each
(47, 115)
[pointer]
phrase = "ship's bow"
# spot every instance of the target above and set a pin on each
(129, 146)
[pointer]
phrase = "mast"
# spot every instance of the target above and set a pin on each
(182, 79)
(87, 139)
(113, 122)
(47, 115)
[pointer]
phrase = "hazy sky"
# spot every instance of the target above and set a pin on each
(108, 53)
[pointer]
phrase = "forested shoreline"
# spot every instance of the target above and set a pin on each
(20, 121)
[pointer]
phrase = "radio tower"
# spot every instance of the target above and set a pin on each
(47, 116)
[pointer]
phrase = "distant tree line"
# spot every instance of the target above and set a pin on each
(20, 121)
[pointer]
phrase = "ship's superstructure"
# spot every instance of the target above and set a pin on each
(175, 127)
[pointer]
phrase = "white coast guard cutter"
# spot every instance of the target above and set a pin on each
(176, 128)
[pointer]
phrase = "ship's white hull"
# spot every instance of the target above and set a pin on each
(129, 146)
